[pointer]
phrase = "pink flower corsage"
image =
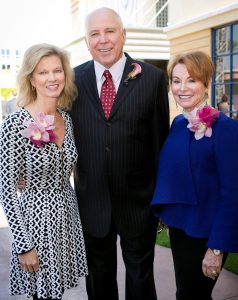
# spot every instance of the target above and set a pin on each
(41, 130)
(201, 124)
(132, 75)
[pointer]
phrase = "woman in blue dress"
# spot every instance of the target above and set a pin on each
(196, 190)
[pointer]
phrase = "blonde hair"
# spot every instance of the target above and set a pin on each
(32, 56)
(198, 64)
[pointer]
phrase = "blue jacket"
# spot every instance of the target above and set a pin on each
(197, 183)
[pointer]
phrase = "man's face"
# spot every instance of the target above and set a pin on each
(105, 37)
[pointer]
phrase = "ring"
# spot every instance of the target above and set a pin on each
(214, 273)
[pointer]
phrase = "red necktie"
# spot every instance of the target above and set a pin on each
(108, 93)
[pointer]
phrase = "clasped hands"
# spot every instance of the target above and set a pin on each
(211, 264)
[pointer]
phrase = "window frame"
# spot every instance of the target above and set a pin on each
(230, 55)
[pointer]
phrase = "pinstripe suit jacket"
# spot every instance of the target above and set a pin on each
(116, 169)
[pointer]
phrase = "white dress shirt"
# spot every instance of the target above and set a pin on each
(116, 70)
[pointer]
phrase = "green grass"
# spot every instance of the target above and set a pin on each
(231, 262)
(163, 239)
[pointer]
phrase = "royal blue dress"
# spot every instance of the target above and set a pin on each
(197, 183)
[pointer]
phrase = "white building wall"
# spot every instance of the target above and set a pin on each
(143, 41)
(182, 10)
(134, 13)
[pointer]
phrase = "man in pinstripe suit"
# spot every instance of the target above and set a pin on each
(118, 157)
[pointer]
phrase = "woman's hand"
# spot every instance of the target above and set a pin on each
(211, 264)
(29, 261)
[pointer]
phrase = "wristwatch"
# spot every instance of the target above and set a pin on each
(216, 252)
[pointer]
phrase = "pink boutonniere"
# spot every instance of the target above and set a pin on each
(132, 75)
(41, 130)
(201, 124)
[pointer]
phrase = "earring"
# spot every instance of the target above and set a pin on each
(33, 88)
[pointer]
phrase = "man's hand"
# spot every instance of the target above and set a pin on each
(20, 184)
(29, 261)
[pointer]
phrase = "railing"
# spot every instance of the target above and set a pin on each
(150, 13)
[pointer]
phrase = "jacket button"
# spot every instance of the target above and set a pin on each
(107, 149)
(109, 124)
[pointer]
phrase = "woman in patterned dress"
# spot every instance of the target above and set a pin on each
(37, 143)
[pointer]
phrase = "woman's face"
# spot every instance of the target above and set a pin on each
(187, 91)
(48, 78)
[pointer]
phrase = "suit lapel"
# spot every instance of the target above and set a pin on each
(90, 85)
(123, 90)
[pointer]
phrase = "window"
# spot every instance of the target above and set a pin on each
(17, 52)
(225, 58)
(162, 19)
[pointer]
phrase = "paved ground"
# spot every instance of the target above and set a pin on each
(226, 287)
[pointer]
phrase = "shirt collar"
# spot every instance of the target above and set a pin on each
(116, 70)
(192, 113)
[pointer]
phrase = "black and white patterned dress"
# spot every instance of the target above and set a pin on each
(46, 215)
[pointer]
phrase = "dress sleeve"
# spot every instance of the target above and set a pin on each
(224, 233)
(11, 160)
